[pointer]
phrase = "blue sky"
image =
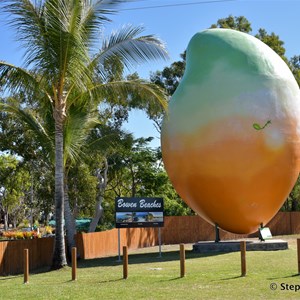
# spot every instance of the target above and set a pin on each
(175, 25)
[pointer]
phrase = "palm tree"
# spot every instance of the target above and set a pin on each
(78, 141)
(61, 70)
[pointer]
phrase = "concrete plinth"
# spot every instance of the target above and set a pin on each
(231, 246)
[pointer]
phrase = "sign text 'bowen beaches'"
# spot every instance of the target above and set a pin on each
(141, 204)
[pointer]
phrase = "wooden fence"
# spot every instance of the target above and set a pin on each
(12, 253)
(187, 229)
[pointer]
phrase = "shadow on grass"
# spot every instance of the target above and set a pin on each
(41, 270)
(232, 278)
(143, 258)
(111, 280)
(173, 279)
(282, 277)
(137, 258)
(10, 277)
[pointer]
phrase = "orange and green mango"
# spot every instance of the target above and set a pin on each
(231, 138)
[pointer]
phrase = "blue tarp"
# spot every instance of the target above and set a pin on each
(81, 224)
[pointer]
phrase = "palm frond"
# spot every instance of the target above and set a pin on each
(94, 13)
(78, 124)
(31, 31)
(68, 43)
(131, 48)
(15, 78)
(32, 123)
(124, 91)
(108, 140)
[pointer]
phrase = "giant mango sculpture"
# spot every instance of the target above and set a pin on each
(230, 140)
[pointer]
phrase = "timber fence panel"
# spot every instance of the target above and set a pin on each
(185, 229)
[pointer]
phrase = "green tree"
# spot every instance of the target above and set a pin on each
(273, 41)
(104, 141)
(137, 171)
(238, 23)
(292, 202)
(168, 79)
(14, 183)
(19, 136)
(294, 63)
(60, 72)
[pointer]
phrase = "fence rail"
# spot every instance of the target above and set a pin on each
(186, 229)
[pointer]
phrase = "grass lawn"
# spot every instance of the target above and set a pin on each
(150, 277)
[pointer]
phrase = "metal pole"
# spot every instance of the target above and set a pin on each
(217, 240)
(119, 246)
(159, 241)
(125, 262)
(26, 266)
(182, 261)
(298, 252)
(243, 258)
(74, 263)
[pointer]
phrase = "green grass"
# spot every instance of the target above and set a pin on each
(150, 277)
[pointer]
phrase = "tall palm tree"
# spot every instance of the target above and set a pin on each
(61, 68)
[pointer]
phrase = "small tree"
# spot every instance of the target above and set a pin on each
(14, 183)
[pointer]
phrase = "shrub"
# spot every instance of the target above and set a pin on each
(48, 229)
(19, 235)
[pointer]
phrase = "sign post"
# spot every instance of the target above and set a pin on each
(125, 262)
(159, 241)
(119, 246)
(243, 257)
(74, 263)
(182, 261)
(26, 266)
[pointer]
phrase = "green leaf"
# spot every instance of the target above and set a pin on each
(258, 127)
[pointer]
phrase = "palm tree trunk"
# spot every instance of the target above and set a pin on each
(59, 255)
(70, 224)
(5, 221)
